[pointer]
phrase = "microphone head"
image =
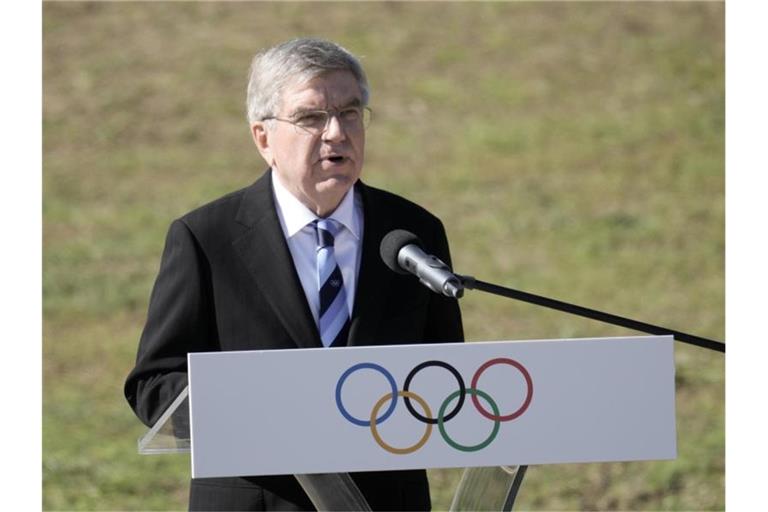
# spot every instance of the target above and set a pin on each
(391, 245)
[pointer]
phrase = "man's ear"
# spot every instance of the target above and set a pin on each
(261, 137)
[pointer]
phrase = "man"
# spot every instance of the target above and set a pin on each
(292, 261)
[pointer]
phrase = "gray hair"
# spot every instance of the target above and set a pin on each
(297, 60)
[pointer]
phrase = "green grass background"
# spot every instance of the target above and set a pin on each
(574, 150)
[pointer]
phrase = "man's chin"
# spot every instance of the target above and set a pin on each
(335, 185)
(331, 190)
(342, 176)
(336, 180)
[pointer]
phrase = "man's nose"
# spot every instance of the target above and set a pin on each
(334, 129)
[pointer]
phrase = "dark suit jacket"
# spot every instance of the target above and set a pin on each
(227, 282)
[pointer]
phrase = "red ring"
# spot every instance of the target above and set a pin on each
(528, 396)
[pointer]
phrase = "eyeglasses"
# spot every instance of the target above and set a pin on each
(316, 122)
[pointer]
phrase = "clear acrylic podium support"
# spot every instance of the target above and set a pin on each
(170, 434)
(488, 488)
(482, 488)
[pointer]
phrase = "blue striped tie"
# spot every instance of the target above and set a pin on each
(333, 312)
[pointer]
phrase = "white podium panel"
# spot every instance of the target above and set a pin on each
(439, 405)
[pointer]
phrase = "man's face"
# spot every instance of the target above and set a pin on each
(317, 168)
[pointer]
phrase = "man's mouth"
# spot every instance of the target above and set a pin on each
(336, 159)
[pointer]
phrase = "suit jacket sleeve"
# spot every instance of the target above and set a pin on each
(180, 320)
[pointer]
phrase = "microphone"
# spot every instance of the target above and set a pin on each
(403, 252)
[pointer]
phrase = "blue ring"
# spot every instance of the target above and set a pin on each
(352, 369)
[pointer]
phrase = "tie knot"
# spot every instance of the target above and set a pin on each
(327, 229)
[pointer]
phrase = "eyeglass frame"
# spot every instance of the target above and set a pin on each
(365, 120)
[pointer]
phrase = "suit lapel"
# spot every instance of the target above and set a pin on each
(374, 278)
(265, 253)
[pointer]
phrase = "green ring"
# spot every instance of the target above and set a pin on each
(441, 426)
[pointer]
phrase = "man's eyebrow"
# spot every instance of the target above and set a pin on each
(303, 110)
(355, 102)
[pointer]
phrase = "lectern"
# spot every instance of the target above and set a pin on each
(491, 407)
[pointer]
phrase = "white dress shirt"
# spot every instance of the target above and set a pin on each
(296, 221)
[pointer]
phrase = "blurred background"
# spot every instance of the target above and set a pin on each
(573, 150)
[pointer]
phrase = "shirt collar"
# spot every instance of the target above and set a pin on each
(296, 216)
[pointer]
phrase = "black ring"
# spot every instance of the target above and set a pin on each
(462, 391)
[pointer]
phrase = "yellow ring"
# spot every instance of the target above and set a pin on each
(375, 432)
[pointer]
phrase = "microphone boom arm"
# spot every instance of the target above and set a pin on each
(470, 283)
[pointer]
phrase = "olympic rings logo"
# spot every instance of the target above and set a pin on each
(426, 416)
